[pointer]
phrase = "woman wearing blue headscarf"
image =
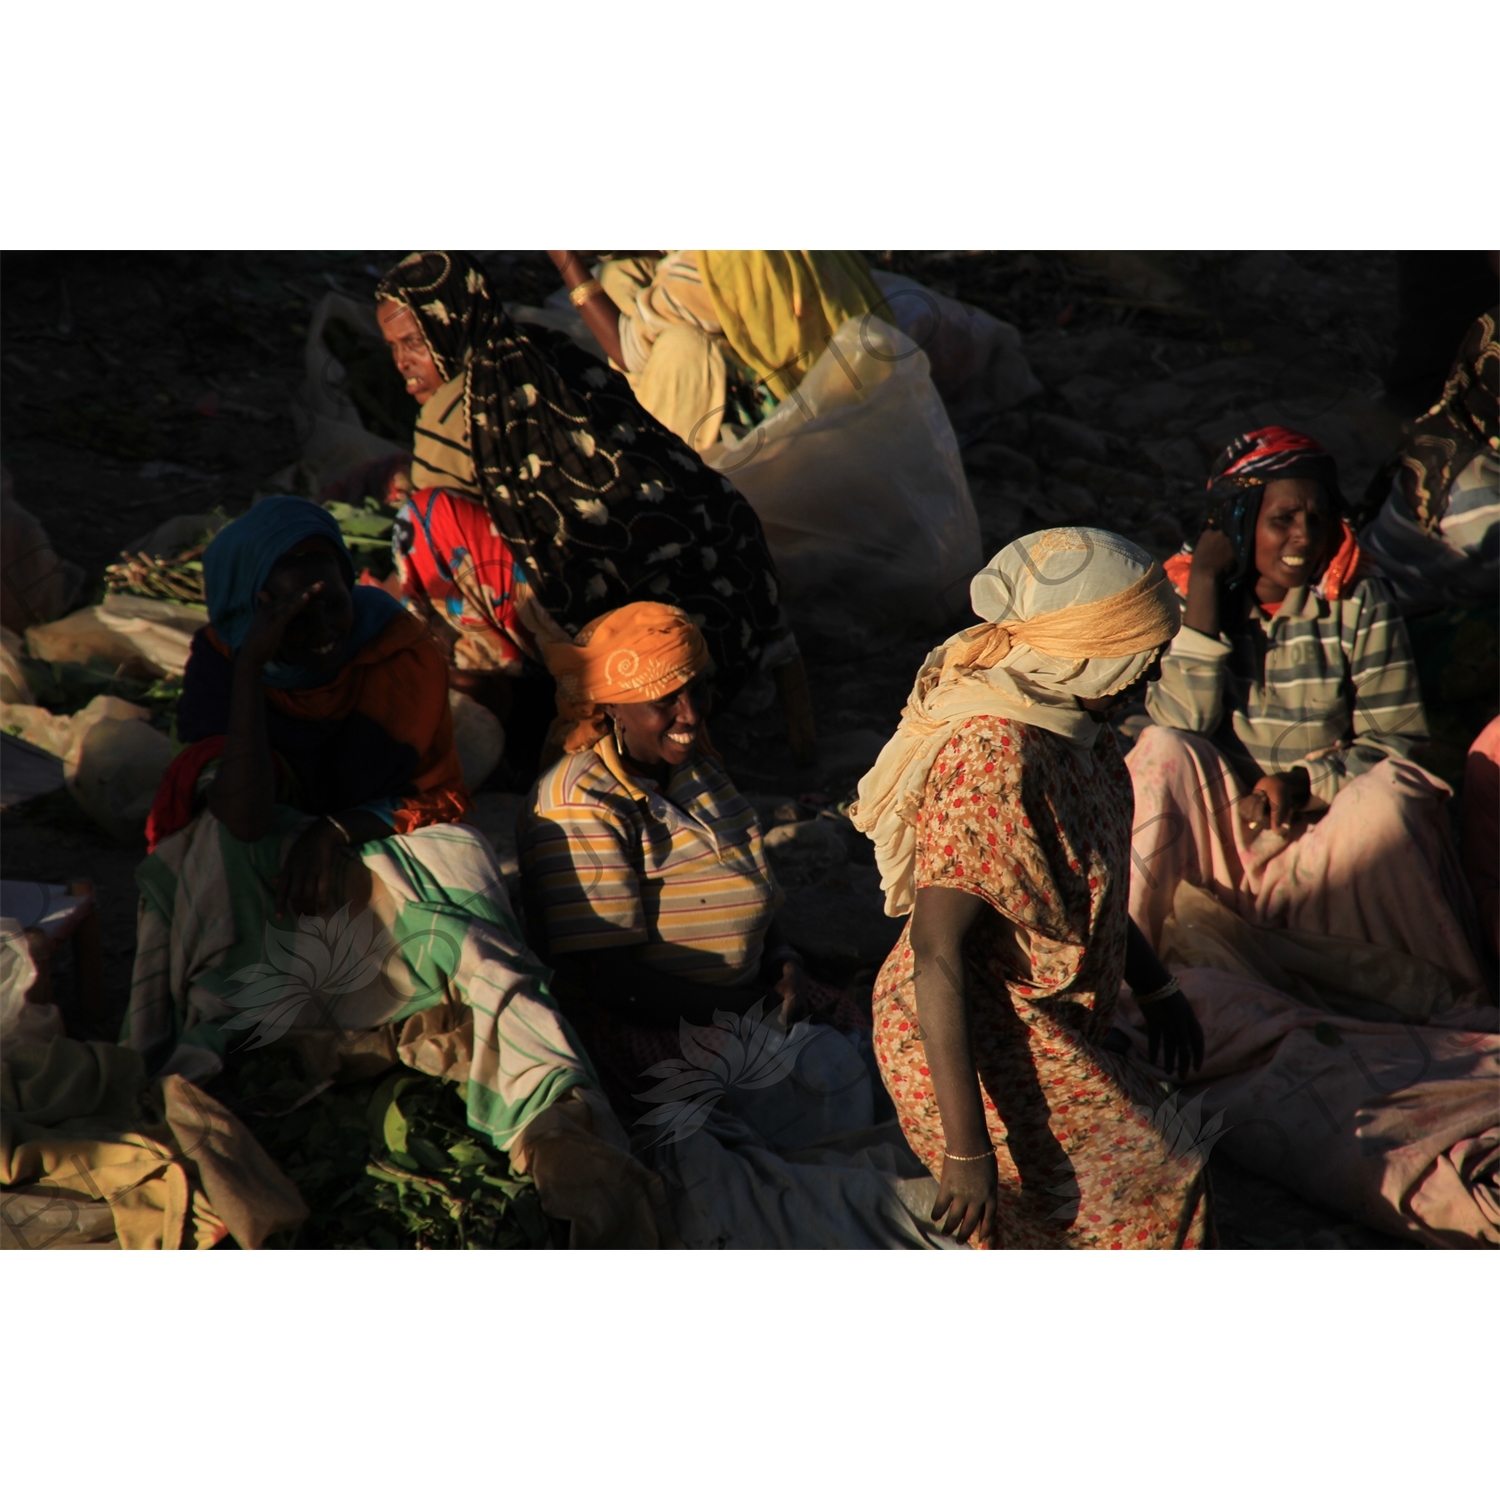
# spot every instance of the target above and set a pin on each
(309, 868)
(304, 676)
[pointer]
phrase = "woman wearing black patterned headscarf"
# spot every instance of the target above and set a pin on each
(544, 495)
(1435, 534)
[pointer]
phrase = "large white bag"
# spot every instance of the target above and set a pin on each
(334, 439)
(857, 481)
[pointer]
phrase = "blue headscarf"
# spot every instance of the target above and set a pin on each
(240, 560)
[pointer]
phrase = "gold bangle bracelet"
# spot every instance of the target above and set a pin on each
(1170, 988)
(329, 818)
(584, 291)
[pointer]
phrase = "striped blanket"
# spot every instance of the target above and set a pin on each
(215, 968)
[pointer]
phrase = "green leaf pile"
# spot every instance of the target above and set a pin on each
(386, 1164)
(366, 529)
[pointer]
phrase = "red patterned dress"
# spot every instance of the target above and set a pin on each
(1041, 832)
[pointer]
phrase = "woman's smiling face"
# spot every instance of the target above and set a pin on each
(315, 635)
(1291, 536)
(665, 729)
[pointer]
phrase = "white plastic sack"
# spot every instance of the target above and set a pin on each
(113, 760)
(161, 630)
(114, 770)
(35, 583)
(38, 726)
(14, 688)
(85, 636)
(976, 359)
(857, 481)
(334, 440)
(17, 975)
(479, 738)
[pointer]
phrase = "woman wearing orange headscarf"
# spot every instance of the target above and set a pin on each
(644, 866)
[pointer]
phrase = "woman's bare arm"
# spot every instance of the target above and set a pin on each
(599, 312)
(244, 790)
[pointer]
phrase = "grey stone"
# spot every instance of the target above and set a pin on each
(852, 753)
(1179, 456)
(842, 918)
(1150, 405)
(495, 815)
(1062, 437)
(1086, 394)
(1002, 462)
(1065, 504)
(802, 854)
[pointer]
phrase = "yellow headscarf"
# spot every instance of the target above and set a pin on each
(779, 308)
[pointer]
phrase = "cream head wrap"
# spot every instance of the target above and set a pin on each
(1070, 613)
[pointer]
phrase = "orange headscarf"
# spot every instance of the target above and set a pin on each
(630, 655)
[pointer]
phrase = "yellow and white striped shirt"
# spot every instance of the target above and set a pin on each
(611, 862)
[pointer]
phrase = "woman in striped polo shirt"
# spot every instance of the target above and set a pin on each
(645, 872)
(1278, 771)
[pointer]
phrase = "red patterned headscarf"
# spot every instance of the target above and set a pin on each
(1237, 486)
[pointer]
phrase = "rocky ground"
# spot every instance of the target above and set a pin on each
(137, 387)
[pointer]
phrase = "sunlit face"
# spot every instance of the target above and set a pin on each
(1291, 535)
(1101, 708)
(665, 729)
(408, 348)
(316, 634)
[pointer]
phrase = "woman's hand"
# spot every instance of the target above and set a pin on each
(966, 1198)
(794, 992)
(1213, 557)
(1275, 801)
(263, 639)
(1214, 554)
(1173, 1029)
(313, 878)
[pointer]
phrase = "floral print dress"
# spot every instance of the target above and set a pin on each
(1041, 831)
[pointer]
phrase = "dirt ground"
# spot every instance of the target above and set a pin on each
(140, 386)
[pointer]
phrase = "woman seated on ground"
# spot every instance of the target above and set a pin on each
(1000, 813)
(1277, 772)
(543, 494)
(643, 865)
(708, 337)
(1436, 537)
(308, 868)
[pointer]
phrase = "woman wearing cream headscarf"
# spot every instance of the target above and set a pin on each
(1001, 817)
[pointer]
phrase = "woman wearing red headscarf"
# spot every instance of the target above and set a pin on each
(1278, 771)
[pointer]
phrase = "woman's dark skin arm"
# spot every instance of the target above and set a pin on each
(244, 790)
(1213, 556)
(941, 918)
(967, 1190)
(243, 795)
(1170, 1022)
(599, 312)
